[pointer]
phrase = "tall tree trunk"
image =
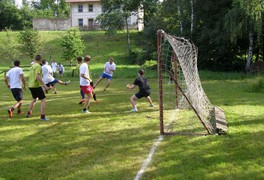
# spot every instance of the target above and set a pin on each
(192, 16)
(262, 35)
(250, 51)
(180, 14)
(128, 37)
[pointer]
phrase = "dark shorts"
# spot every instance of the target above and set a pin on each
(142, 94)
(37, 93)
(60, 72)
(52, 83)
(106, 76)
(17, 93)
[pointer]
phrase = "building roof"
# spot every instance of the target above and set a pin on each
(76, 1)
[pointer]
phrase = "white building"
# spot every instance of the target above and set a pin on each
(84, 13)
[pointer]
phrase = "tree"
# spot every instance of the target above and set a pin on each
(30, 39)
(72, 44)
(111, 22)
(9, 46)
(50, 8)
(125, 8)
(245, 18)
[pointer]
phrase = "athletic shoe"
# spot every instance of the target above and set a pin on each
(152, 105)
(133, 110)
(19, 112)
(96, 101)
(83, 100)
(55, 92)
(67, 82)
(86, 112)
(10, 113)
(28, 114)
(44, 119)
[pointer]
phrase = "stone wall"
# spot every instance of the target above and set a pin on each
(51, 24)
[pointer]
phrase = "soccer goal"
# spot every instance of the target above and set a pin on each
(184, 106)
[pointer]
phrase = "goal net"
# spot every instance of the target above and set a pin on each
(184, 106)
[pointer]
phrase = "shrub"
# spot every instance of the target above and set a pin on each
(151, 64)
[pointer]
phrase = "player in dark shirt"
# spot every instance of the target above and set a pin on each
(144, 90)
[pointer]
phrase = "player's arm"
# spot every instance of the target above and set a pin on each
(7, 82)
(85, 77)
(23, 81)
(112, 69)
(131, 86)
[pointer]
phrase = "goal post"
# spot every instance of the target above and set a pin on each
(184, 106)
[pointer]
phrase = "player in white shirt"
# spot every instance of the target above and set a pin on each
(54, 67)
(47, 77)
(14, 80)
(85, 81)
(109, 69)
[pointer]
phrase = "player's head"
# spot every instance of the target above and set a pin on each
(111, 60)
(44, 61)
(87, 58)
(79, 59)
(141, 72)
(38, 58)
(16, 63)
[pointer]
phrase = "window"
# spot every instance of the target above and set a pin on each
(80, 8)
(80, 21)
(90, 8)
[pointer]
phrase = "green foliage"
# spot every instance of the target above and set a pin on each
(72, 44)
(9, 46)
(13, 18)
(137, 55)
(111, 22)
(256, 85)
(150, 64)
(50, 8)
(30, 39)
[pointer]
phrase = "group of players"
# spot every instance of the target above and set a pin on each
(41, 79)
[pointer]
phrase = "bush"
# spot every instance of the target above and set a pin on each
(256, 85)
(150, 64)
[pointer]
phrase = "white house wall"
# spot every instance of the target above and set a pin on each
(85, 15)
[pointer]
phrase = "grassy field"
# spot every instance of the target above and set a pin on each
(111, 142)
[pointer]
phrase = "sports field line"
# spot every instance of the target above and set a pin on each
(152, 151)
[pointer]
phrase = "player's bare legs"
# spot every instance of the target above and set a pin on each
(107, 84)
(133, 102)
(88, 100)
(150, 101)
(97, 82)
(43, 106)
(31, 106)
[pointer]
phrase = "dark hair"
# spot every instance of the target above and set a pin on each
(44, 61)
(87, 58)
(141, 72)
(38, 57)
(79, 59)
(16, 63)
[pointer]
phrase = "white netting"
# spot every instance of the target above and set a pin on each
(179, 65)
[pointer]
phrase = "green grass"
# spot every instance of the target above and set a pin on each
(111, 143)
(76, 145)
(97, 44)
